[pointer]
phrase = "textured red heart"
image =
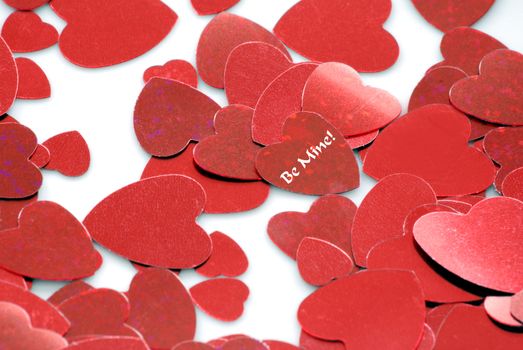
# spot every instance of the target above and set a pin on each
(505, 147)
(25, 4)
(210, 7)
(341, 310)
(222, 196)
(32, 81)
(45, 227)
(431, 142)
(8, 76)
(179, 70)
(24, 31)
(231, 152)
(496, 94)
(488, 249)
(498, 308)
(89, 39)
(336, 92)
(250, 68)
(313, 158)
(351, 33)
(16, 331)
(221, 298)
(329, 219)
(69, 154)
(146, 232)
(175, 313)
(10, 210)
(513, 184)
(224, 33)
(113, 343)
(280, 99)
(227, 258)
(169, 114)
(69, 290)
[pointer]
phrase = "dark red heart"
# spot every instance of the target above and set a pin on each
(69, 154)
(210, 7)
(24, 31)
(179, 70)
(227, 258)
(8, 76)
(32, 81)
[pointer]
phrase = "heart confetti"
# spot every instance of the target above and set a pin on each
(69, 154)
(498, 308)
(8, 76)
(505, 147)
(113, 343)
(227, 258)
(513, 184)
(179, 70)
(24, 31)
(32, 81)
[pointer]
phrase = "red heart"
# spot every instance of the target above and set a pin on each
(90, 39)
(351, 33)
(69, 290)
(10, 210)
(367, 310)
(431, 142)
(157, 297)
(24, 31)
(224, 33)
(26, 4)
(169, 114)
(113, 343)
(329, 219)
(16, 331)
(488, 250)
(33, 83)
(313, 158)
(231, 152)
(495, 95)
(179, 70)
(336, 92)
(222, 196)
(505, 147)
(250, 68)
(69, 154)
(513, 184)
(45, 227)
(221, 298)
(147, 232)
(8, 76)
(498, 308)
(449, 14)
(227, 258)
(210, 7)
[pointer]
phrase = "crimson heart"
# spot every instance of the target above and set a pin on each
(90, 39)
(113, 343)
(8, 76)
(179, 70)
(24, 31)
(227, 258)
(210, 7)
(33, 83)
(69, 154)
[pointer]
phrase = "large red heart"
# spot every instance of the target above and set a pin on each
(336, 92)
(69, 154)
(227, 258)
(90, 39)
(431, 142)
(156, 222)
(505, 147)
(381, 309)
(8, 76)
(105, 343)
(24, 31)
(33, 83)
(210, 7)
(313, 158)
(484, 246)
(337, 30)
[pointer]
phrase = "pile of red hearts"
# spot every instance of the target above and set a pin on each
(425, 262)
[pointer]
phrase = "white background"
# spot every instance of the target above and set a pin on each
(99, 103)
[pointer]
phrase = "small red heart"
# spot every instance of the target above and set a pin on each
(24, 31)
(69, 154)
(8, 76)
(105, 343)
(505, 147)
(250, 68)
(221, 298)
(351, 33)
(227, 258)
(313, 158)
(231, 152)
(179, 70)
(147, 232)
(498, 308)
(224, 33)
(69, 290)
(157, 297)
(210, 7)
(26, 4)
(222, 196)
(329, 218)
(279, 345)
(381, 309)
(192, 345)
(40, 157)
(336, 92)
(516, 306)
(431, 142)
(169, 114)
(488, 250)
(513, 184)
(496, 94)
(16, 331)
(33, 83)
(308, 342)
(90, 39)
(12, 278)
(10, 210)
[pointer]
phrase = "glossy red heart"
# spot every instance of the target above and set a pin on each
(224, 33)
(495, 95)
(146, 231)
(210, 7)
(498, 308)
(342, 310)
(90, 39)
(351, 33)
(505, 147)
(10, 210)
(8, 76)
(513, 184)
(69, 290)
(25, 4)
(313, 158)
(179, 70)
(250, 68)
(516, 306)
(69, 154)
(24, 31)
(169, 114)
(105, 343)
(280, 99)
(227, 258)
(175, 313)
(431, 142)
(221, 298)
(40, 157)
(329, 218)
(16, 331)
(488, 250)
(46, 227)
(231, 152)
(32, 81)
(12, 278)
(222, 196)
(383, 211)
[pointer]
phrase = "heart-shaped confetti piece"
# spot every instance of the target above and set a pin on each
(105, 343)
(32, 81)
(24, 31)
(69, 290)
(25, 4)
(513, 184)
(505, 147)
(227, 258)
(210, 7)
(179, 70)
(8, 76)
(69, 154)
(498, 308)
